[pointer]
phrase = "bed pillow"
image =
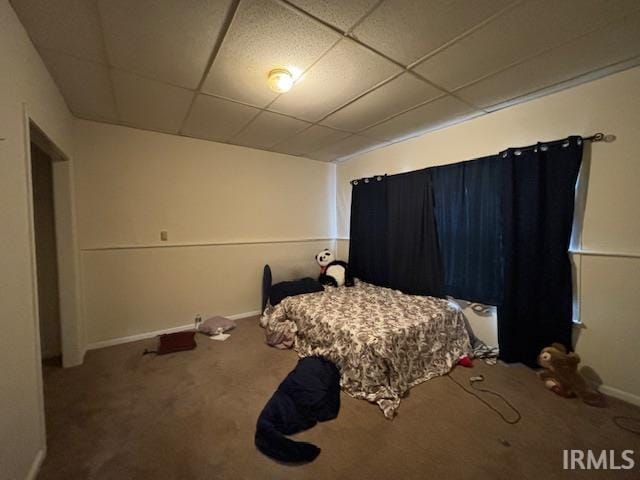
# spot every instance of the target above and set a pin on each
(282, 290)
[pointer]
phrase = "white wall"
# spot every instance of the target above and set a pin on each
(611, 222)
(24, 80)
(227, 210)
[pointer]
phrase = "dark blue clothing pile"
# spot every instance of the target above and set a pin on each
(309, 394)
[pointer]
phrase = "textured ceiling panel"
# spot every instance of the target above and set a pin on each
(438, 113)
(339, 13)
(398, 95)
(216, 119)
(269, 129)
(311, 140)
(167, 40)
(341, 75)
(406, 30)
(151, 63)
(85, 86)
(149, 104)
(264, 35)
(68, 26)
(514, 36)
(348, 146)
(596, 50)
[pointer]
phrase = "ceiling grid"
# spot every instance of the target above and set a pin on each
(369, 72)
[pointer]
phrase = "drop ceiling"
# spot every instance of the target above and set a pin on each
(371, 72)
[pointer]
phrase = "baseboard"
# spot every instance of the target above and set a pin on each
(35, 466)
(620, 394)
(144, 336)
(239, 316)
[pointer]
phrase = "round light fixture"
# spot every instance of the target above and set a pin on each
(280, 80)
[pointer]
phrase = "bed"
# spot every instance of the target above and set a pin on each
(383, 341)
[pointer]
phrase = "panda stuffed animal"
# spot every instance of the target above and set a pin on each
(333, 272)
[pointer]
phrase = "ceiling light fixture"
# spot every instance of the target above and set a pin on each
(280, 80)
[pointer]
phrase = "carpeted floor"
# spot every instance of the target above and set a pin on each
(191, 415)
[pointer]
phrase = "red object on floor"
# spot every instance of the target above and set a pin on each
(465, 361)
(175, 342)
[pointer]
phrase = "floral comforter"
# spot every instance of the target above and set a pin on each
(382, 340)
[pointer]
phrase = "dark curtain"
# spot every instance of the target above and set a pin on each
(538, 202)
(468, 213)
(494, 230)
(368, 252)
(415, 265)
(393, 240)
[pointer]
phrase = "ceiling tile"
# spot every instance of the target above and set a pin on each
(216, 119)
(67, 26)
(514, 36)
(338, 13)
(269, 129)
(149, 104)
(440, 112)
(168, 40)
(264, 35)
(349, 146)
(406, 30)
(311, 140)
(84, 85)
(611, 44)
(341, 75)
(399, 94)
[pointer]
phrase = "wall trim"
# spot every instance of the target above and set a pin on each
(620, 394)
(155, 333)
(36, 464)
(598, 253)
(208, 244)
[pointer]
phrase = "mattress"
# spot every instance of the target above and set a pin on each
(382, 340)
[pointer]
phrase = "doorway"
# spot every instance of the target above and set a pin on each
(46, 255)
(59, 332)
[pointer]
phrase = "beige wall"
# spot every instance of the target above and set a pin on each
(24, 80)
(611, 222)
(227, 210)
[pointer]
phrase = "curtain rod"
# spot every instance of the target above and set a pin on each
(596, 137)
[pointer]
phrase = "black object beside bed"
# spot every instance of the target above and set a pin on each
(274, 294)
(266, 285)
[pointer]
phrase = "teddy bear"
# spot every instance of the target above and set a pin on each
(333, 272)
(560, 375)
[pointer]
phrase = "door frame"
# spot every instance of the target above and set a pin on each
(72, 333)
